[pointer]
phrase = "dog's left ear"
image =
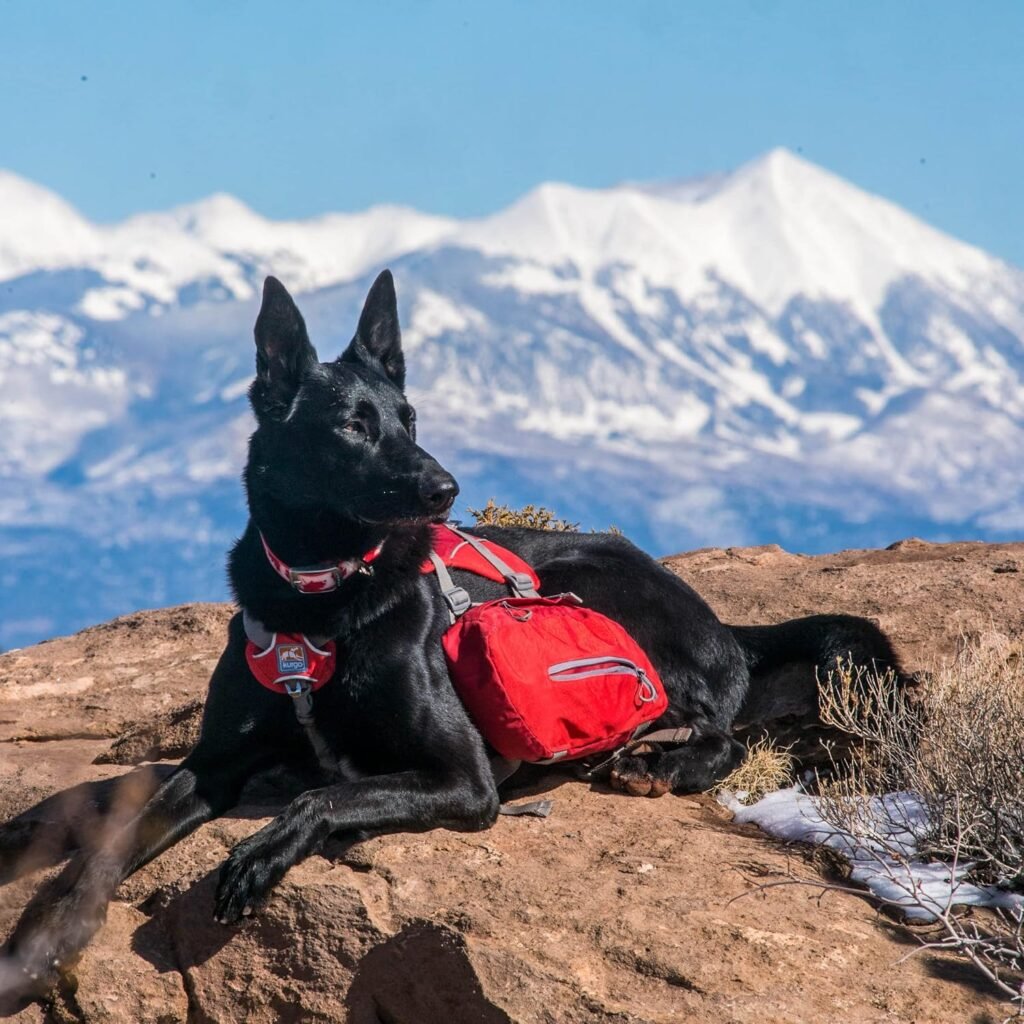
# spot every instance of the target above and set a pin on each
(378, 340)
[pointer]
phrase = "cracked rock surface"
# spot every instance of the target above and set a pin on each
(614, 910)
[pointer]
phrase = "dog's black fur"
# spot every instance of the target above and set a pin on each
(333, 470)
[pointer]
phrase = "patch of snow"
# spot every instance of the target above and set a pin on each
(434, 314)
(218, 241)
(833, 425)
(887, 867)
(529, 278)
(39, 230)
(765, 340)
(53, 392)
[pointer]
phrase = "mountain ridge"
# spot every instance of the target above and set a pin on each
(768, 354)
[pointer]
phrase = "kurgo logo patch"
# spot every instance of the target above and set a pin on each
(291, 658)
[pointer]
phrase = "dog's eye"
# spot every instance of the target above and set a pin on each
(408, 416)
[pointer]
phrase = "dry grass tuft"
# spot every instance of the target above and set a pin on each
(535, 517)
(765, 769)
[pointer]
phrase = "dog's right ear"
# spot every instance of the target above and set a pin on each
(283, 350)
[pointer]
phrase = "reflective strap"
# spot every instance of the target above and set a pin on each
(520, 582)
(610, 665)
(570, 669)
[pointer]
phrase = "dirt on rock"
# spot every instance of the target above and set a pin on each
(614, 910)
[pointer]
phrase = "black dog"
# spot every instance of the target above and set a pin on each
(334, 473)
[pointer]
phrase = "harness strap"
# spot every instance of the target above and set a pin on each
(659, 736)
(680, 735)
(262, 637)
(299, 688)
(521, 584)
(458, 600)
(302, 703)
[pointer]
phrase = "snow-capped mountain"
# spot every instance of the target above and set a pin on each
(765, 355)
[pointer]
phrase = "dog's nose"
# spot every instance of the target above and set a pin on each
(438, 491)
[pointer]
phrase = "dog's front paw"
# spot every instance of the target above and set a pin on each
(37, 961)
(255, 866)
(20, 983)
(633, 775)
(52, 932)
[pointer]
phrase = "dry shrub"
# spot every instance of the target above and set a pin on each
(535, 517)
(958, 743)
(765, 769)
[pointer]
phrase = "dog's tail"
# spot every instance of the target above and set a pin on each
(818, 640)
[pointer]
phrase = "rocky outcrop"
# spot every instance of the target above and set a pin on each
(614, 909)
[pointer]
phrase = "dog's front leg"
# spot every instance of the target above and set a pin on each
(65, 913)
(405, 801)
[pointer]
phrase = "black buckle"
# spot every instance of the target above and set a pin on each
(520, 582)
(458, 600)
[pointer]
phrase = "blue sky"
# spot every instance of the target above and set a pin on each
(460, 107)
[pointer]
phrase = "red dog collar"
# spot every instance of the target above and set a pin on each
(320, 579)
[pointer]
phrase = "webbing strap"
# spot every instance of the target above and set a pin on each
(457, 599)
(520, 583)
(263, 637)
(680, 735)
(533, 809)
(676, 736)
(302, 702)
(503, 768)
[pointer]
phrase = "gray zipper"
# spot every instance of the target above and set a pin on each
(588, 668)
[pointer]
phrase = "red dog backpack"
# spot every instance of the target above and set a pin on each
(543, 678)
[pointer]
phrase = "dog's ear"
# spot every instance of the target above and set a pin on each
(378, 340)
(283, 349)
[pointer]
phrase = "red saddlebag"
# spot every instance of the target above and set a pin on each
(543, 678)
